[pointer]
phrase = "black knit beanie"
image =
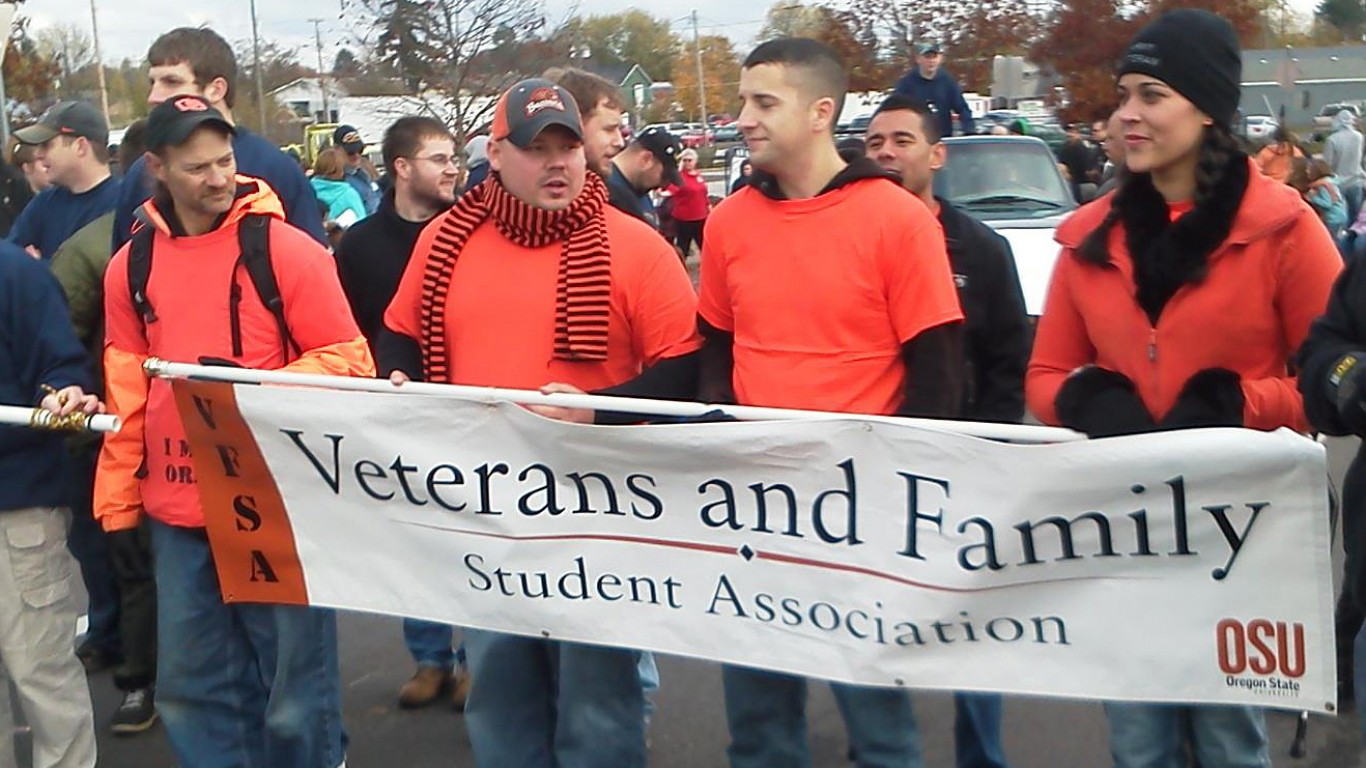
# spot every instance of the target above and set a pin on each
(1197, 54)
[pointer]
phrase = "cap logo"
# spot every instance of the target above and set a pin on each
(190, 105)
(351, 138)
(543, 98)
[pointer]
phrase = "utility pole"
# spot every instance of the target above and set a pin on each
(322, 79)
(99, 63)
(256, 64)
(701, 79)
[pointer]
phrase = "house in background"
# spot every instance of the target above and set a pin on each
(304, 98)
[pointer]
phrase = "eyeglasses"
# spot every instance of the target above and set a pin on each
(441, 161)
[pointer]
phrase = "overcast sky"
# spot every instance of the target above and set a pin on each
(128, 26)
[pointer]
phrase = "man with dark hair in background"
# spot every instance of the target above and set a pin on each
(600, 109)
(198, 61)
(788, 269)
(72, 140)
(904, 140)
(20, 179)
(425, 169)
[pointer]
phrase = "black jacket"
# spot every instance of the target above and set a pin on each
(625, 198)
(997, 344)
(370, 260)
(1341, 330)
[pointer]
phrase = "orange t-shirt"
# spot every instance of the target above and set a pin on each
(821, 293)
(500, 311)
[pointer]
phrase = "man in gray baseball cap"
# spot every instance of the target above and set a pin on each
(72, 139)
(67, 118)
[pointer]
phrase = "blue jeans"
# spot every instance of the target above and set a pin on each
(649, 681)
(1154, 735)
(538, 703)
(241, 686)
(766, 713)
(87, 544)
(1352, 195)
(430, 643)
(977, 730)
(1359, 678)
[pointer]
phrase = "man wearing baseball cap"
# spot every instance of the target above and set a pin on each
(648, 163)
(73, 140)
(237, 684)
(506, 289)
(360, 172)
(929, 82)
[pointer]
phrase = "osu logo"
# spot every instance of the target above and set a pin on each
(190, 105)
(544, 98)
(1261, 646)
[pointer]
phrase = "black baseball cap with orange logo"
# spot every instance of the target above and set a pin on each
(531, 106)
(173, 120)
(66, 118)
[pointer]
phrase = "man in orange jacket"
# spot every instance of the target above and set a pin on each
(238, 684)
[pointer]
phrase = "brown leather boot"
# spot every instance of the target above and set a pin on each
(426, 686)
(460, 688)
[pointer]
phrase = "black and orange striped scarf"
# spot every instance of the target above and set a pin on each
(584, 290)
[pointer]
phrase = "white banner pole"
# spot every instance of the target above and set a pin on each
(37, 418)
(1020, 433)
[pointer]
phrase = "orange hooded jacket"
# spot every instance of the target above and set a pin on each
(146, 465)
(1267, 281)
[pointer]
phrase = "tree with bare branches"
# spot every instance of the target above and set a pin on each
(455, 51)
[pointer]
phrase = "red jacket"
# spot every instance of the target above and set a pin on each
(1266, 283)
(189, 287)
(690, 199)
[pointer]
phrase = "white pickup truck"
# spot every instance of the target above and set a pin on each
(1013, 185)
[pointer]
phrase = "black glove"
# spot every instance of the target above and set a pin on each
(1347, 389)
(1211, 398)
(220, 362)
(130, 555)
(1102, 403)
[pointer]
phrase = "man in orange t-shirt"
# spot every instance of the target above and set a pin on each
(825, 285)
(483, 302)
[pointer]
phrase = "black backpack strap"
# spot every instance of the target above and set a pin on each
(139, 272)
(253, 237)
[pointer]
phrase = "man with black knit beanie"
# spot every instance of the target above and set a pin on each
(533, 280)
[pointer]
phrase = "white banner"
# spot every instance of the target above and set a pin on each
(1187, 567)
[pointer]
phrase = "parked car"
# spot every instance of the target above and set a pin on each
(695, 135)
(1259, 127)
(856, 127)
(1013, 185)
(727, 133)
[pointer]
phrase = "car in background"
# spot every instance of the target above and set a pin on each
(856, 127)
(1013, 185)
(695, 135)
(727, 134)
(1259, 127)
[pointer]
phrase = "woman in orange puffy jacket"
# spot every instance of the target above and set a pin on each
(1177, 302)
